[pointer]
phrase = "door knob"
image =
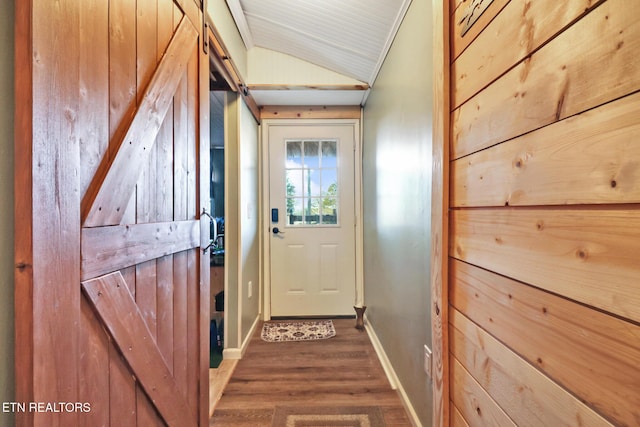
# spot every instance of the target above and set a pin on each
(276, 230)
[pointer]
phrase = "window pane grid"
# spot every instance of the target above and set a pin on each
(311, 182)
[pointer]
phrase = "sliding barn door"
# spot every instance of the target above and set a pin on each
(111, 168)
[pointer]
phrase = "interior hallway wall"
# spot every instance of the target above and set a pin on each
(242, 263)
(397, 194)
(221, 17)
(249, 229)
(7, 381)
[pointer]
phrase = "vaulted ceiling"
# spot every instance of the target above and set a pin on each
(350, 37)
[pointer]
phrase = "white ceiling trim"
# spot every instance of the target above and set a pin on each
(392, 35)
(309, 97)
(241, 22)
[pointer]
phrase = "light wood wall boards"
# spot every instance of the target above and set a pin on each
(544, 220)
(587, 351)
(113, 106)
(460, 10)
(591, 158)
(589, 254)
(527, 396)
(507, 44)
(592, 62)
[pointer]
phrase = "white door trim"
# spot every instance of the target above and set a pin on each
(266, 251)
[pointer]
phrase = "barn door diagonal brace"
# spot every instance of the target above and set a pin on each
(112, 186)
(110, 297)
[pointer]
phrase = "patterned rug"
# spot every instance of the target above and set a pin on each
(348, 416)
(298, 331)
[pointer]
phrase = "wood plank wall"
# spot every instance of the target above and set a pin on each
(544, 239)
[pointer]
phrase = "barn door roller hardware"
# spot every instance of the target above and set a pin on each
(205, 27)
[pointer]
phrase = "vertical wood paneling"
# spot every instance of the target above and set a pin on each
(180, 142)
(146, 283)
(193, 143)
(146, 43)
(164, 197)
(147, 58)
(94, 87)
(146, 209)
(165, 322)
(94, 368)
(146, 300)
(164, 140)
(122, 67)
(47, 278)
(193, 332)
(122, 385)
(180, 339)
(122, 391)
(23, 202)
(122, 79)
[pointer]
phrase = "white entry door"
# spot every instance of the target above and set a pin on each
(312, 219)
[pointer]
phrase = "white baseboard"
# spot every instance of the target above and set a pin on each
(247, 340)
(232, 353)
(391, 374)
(237, 353)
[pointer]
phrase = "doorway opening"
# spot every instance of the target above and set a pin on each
(217, 224)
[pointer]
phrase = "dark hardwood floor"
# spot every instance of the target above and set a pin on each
(341, 371)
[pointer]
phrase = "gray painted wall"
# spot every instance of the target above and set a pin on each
(7, 382)
(249, 225)
(231, 221)
(397, 197)
(241, 222)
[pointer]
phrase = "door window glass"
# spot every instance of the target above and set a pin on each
(312, 182)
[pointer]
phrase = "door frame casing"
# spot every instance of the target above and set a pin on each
(439, 280)
(265, 197)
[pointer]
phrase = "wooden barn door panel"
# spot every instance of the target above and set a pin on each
(137, 343)
(132, 333)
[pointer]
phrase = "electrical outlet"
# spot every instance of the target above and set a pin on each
(250, 289)
(427, 361)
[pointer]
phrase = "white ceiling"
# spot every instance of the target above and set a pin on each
(350, 37)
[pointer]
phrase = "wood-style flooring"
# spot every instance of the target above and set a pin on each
(341, 371)
(218, 380)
